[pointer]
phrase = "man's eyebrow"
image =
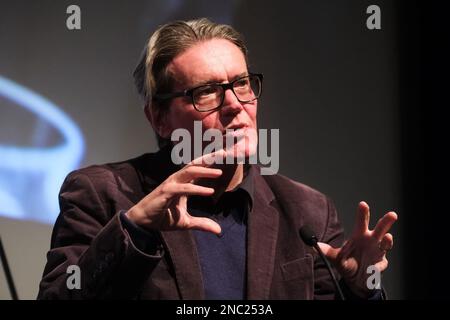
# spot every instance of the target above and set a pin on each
(215, 81)
(243, 74)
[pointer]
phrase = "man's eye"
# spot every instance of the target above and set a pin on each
(242, 83)
(206, 91)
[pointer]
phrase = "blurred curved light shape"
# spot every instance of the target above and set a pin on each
(53, 163)
(10, 204)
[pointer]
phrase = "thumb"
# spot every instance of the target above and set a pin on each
(205, 224)
(330, 252)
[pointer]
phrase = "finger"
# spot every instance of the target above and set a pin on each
(382, 265)
(204, 224)
(387, 242)
(190, 173)
(330, 252)
(182, 203)
(173, 189)
(362, 219)
(209, 159)
(384, 225)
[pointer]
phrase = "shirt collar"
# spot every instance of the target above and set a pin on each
(247, 184)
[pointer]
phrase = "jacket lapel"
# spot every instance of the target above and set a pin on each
(180, 245)
(183, 254)
(262, 240)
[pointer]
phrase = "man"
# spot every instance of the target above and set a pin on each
(149, 229)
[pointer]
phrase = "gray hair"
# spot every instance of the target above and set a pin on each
(151, 75)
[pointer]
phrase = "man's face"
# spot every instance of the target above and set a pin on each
(212, 61)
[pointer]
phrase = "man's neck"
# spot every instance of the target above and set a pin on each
(236, 174)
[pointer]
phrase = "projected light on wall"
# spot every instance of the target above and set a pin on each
(31, 176)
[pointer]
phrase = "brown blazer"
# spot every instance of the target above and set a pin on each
(89, 233)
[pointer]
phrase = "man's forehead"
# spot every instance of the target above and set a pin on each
(214, 60)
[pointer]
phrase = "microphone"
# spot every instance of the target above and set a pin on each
(310, 239)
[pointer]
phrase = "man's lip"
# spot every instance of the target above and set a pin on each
(235, 127)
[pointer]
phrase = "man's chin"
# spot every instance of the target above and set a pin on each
(241, 151)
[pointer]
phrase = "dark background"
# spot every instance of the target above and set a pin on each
(425, 38)
(361, 112)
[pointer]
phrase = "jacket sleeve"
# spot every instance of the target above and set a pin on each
(95, 241)
(334, 236)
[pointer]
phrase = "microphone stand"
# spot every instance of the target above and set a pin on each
(9, 279)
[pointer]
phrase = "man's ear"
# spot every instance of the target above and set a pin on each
(158, 120)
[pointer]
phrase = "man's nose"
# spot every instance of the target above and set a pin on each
(231, 103)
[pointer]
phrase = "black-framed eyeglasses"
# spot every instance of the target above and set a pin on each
(210, 97)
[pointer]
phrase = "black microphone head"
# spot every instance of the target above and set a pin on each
(308, 235)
